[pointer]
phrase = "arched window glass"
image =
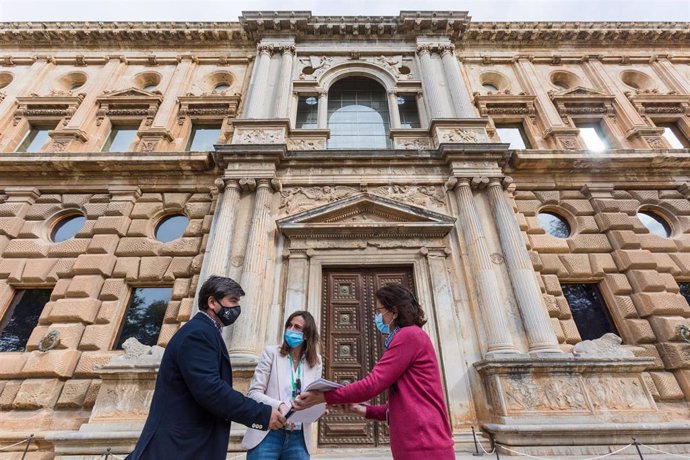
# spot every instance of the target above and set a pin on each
(554, 224)
(358, 115)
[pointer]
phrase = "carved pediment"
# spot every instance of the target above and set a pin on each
(128, 104)
(131, 93)
(579, 91)
(366, 216)
(583, 101)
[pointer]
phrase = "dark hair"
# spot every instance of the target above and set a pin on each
(397, 297)
(218, 287)
(311, 338)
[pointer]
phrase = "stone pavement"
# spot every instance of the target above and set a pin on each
(384, 454)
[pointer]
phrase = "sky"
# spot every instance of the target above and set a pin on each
(229, 10)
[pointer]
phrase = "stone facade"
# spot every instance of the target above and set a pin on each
(273, 207)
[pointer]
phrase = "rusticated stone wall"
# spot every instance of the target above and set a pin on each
(91, 277)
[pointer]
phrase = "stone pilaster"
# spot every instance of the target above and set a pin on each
(245, 332)
(540, 335)
(257, 89)
(284, 83)
(492, 311)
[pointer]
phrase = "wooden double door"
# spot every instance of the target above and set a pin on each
(351, 345)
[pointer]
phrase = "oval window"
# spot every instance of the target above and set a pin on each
(655, 223)
(67, 227)
(554, 224)
(171, 227)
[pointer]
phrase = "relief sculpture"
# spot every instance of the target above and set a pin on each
(620, 393)
(523, 393)
(426, 196)
(298, 199)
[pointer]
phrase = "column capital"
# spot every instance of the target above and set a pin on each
(446, 49)
(264, 50)
(424, 49)
(392, 92)
(247, 184)
(288, 49)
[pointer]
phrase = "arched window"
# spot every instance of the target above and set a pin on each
(358, 114)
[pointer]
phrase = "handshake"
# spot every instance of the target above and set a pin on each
(306, 400)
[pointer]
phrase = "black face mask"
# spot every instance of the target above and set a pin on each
(229, 315)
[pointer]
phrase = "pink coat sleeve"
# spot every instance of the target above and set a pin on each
(394, 362)
(376, 413)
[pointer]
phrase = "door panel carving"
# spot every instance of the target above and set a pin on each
(352, 345)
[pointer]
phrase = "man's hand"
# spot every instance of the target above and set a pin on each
(277, 420)
(307, 399)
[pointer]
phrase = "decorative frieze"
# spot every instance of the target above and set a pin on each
(57, 105)
(131, 103)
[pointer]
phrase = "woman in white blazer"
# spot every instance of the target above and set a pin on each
(283, 371)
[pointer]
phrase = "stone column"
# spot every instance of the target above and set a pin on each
(111, 71)
(297, 279)
(462, 103)
(670, 75)
(220, 242)
(540, 335)
(323, 110)
(284, 83)
(491, 309)
(246, 330)
(393, 109)
(255, 106)
(527, 75)
(431, 86)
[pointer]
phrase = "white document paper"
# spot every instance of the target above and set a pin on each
(308, 415)
(322, 385)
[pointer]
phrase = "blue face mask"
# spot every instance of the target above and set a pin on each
(380, 325)
(294, 338)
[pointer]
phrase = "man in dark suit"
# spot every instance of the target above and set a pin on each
(194, 402)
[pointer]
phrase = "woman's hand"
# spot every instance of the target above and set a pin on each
(307, 399)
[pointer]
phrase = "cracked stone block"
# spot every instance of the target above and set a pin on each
(197, 210)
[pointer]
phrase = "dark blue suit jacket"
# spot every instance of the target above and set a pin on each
(194, 402)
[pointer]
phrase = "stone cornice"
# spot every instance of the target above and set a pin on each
(255, 25)
(63, 34)
(301, 24)
(585, 33)
(100, 164)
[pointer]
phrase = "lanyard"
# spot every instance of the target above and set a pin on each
(295, 382)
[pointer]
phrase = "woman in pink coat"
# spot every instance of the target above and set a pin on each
(416, 411)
